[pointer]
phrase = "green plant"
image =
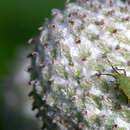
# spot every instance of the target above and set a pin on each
(71, 49)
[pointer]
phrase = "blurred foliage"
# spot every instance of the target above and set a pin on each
(19, 21)
(123, 0)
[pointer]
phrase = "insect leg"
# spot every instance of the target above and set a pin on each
(113, 67)
(122, 70)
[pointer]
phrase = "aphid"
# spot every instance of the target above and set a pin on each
(122, 80)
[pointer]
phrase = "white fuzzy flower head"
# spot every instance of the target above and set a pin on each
(72, 47)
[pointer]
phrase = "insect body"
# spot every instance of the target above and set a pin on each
(124, 85)
(122, 80)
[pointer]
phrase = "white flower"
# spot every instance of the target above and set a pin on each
(75, 45)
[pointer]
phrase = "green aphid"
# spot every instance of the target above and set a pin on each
(122, 80)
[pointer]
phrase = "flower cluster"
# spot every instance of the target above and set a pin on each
(71, 49)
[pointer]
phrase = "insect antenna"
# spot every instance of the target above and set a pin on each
(109, 75)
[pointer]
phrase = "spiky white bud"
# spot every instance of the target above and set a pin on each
(72, 48)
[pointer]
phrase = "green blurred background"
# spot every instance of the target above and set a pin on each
(19, 20)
